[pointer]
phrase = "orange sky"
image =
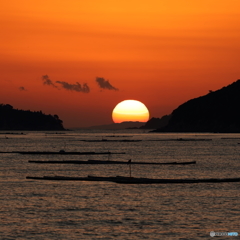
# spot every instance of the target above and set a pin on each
(161, 53)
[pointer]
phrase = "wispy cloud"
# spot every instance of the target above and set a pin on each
(105, 84)
(48, 81)
(75, 87)
(22, 89)
(65, 85)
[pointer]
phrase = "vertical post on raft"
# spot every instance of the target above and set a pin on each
(130, 169)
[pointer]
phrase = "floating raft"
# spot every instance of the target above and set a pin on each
(132, 180)
(63, 153)
(106, 140)
(181, 139)
(119, 136)
(110, 162)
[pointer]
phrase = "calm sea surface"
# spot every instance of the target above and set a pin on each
(35, 209)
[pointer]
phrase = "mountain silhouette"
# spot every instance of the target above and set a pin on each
(14, 119)
(116, 126)
(218, 111)
(154, 123)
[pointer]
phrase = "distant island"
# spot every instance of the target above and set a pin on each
(14, 119)
(217, 112)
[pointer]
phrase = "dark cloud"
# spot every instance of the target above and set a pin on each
(72, 87)
(48, 81)
(105, 84)
(22, 89)
(75, 87)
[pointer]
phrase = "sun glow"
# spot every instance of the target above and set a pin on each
(130, 110)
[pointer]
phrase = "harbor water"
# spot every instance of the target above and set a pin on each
(37, 209)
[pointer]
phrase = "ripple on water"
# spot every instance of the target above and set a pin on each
(91, 210)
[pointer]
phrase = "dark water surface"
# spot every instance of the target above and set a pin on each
(32, 209)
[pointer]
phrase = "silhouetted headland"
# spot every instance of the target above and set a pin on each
(217, 112)
(117, 126)
(154, 123)
(14, 119)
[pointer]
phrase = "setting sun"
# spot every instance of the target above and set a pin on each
(130, 110)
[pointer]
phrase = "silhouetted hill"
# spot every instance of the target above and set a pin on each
(117, 126)
(14, 119)
(218, 111)
(154, 123)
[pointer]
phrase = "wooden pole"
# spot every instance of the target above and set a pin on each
(130, 169)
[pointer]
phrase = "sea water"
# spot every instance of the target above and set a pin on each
(36, 209)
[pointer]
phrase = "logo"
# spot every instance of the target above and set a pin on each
(213, 234)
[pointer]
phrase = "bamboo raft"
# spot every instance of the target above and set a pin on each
(132, 180)
(107, 140)
(109, 162)
(62, 152)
